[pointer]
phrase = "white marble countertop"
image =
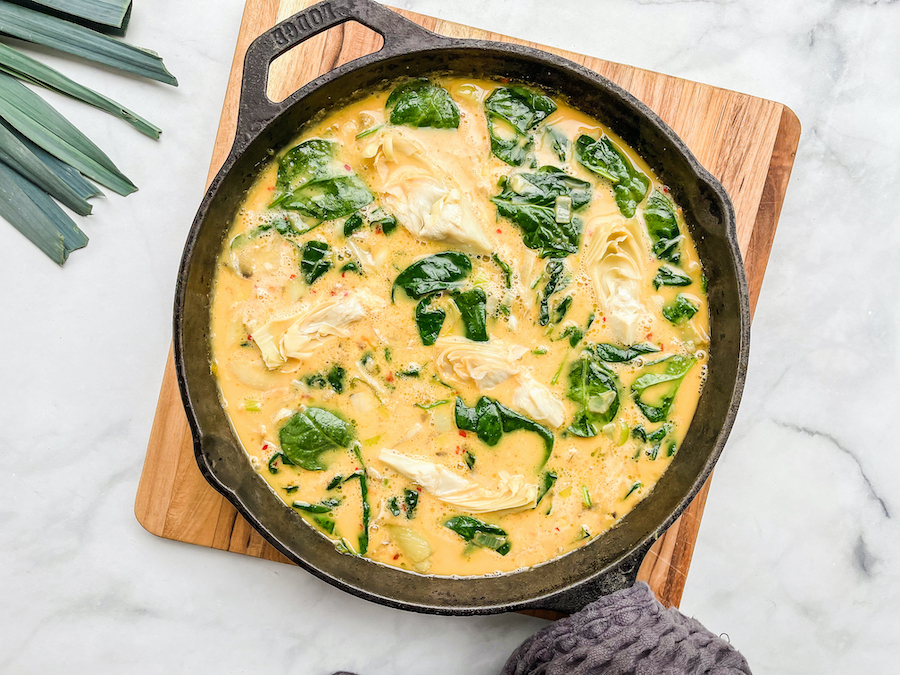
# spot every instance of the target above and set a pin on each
(797, 555)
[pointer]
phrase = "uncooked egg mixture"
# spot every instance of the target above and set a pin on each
(459, 326)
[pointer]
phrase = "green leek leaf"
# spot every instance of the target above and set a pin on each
(38, 217)
(104, 12)
(39, 121)
(31, 26)
(82, 186)
(19, 157)
(19, 65)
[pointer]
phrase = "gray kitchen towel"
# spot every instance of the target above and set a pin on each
(626, 633)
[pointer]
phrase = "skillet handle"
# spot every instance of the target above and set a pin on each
(622, 575)
(257, 109)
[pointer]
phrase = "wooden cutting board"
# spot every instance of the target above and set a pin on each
(748, 143)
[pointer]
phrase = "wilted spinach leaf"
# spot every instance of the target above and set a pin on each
(411, 499)
(429, 321)
(671, 276)
(490, 419)
(612, 354)
(521, 109)
(324, 506)
(681, 309)
(555, 272)
(311, 432)
(662, 224)
(311, 180)
(593, 386)
(472, 309)
(480, 533)
(547, 482)
(352, 224)
(606, 159)
(438, 272)
(314, 262)
(529, 199)
(676, 367)
(333, 378)
(421, 103)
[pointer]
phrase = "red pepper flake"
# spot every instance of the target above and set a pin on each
(390, 376)
(343, 274)
(271, 188)
(396, 555)
(332, 291)
(249, 337)
(463, 433)
(313, 291)
(378, 229)
(293, 276)
(504, 80)
(347, 166)
(604, 319)
(419, 489)
(499, 231)
(557, 529)
(649, 335)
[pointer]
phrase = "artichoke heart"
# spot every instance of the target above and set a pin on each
(512, 493)
(299, 336)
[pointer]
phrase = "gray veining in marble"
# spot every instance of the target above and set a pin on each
(797, 556)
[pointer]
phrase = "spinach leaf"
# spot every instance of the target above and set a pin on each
(655, 438)
(529, 201)
(480, 533)
(681, 310)
(329, 199)
(394, 506)
(555, 272)
(352, 224)
(671, 276)
(504, 266)
(324, 506)
(364, 495)
(593, 386)
(280, 224)
(411, 499)
(334, 482)
(325, 522)
(314, 182)
(612, 354)
(469, 459)
(311, 161)
(420, 103)
(314, 262)
(523, 108)
(472, 308)
(387, 223)
(574, 333)
(336, 378)
(662, 224)
(490, 419)
(560, 143)
(333, 378)
(562, 309)
(540, 230)
(429, 321)
(310, 433)
(676, 367)
(606, 159)
(518, 109)
(547, 482)
(438, 272)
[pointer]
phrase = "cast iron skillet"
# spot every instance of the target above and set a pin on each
(608, 563)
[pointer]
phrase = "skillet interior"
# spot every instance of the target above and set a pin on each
(605, 564)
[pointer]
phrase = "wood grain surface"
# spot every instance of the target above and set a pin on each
(748, 143)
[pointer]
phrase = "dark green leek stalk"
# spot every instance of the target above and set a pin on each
(17, 64)
(65, 36)
(111, 13)
(33, 213)
(39, 121)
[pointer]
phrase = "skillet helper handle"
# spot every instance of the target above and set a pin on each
(257, 109)
(621, 576)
